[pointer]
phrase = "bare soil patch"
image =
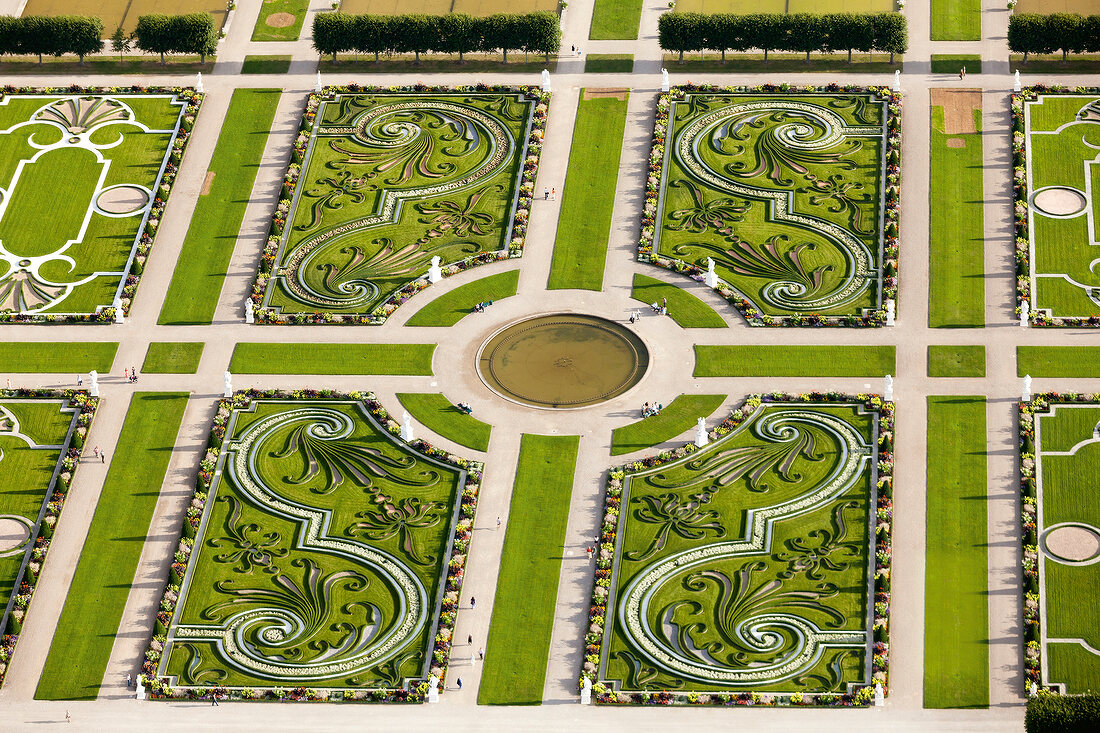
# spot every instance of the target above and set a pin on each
(122, 200)
(1059, 201)
(615, 93)
(13, 533)
(958, 109)
(279, 20)
(1075, 544)
(207, 183)
(956, 142)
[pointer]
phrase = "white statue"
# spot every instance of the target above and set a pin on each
(1016, 81)
(701, 433)
(317, 85)
(407, 428)
(891, 312)
(473, 659)
(897, 80)
(249, 314)
(117, 305)
(711, 278)
(586, 692)
(433, 689)
(888, 391)
(140, 688)
(93, 383)
(198, 84)
(1025, 393)
(880, 699)
(664, 80)
(228, 378)
(1025, 314)
(545, 80)
(435, 272)
(1032, 689)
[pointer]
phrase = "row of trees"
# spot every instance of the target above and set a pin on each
(46, 35)
(1065, 32)
(454, 33)
(188, 33)
(799, 32)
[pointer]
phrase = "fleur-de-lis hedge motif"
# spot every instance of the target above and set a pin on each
(399, 519)
(246, 544)
(672, 515)
(718, 213)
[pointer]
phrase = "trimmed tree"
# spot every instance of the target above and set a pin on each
(85, 35)
(542, 33)
(332, 33)
(152, 34)
(679, 32)
(458, 33)
(193, 33)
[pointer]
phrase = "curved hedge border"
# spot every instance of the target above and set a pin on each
(1020, 208)
(58, 490)
(597, 614)
(891, 223)
(383, 310)
(1029, 537)
(163, 189)
(417, 692)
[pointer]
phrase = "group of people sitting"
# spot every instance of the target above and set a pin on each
(480, 307)
(465, 407)
(661, 310)
(649, 410)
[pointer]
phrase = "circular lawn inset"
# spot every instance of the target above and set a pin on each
(122, 200)
(1060, 201)
(279, 20)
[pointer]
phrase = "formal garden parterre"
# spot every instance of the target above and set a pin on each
(792, 193)
(41, 436)
(755, 570)
(1060, 532)
(1055, 141)
(384, 183)
(321, 557)
(99, 164)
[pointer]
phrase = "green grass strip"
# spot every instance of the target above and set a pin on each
(956, 361)
(683, 307)
(105, 572)
(584, 227)
(267, 358)
(173, 357)
(678, 416)
(450, 308)
(266, 65)
(527, 588)
(615, 20)
(1058, 361)
(951, 63)
(200, 271)
(439, 415)
(957, 251)
(956, 640)
(24, 357)
(794, 361)
(956, 20)
(609, 63)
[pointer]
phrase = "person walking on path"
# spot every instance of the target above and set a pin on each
(553, 194)
(460, 683)
(129, 681)
(498, 522)
(214, 699)
(546, 194)
(68, 718)
(126, 372)
(473, 602)
(95, 451)
(481, 654)
(103, 456)
(470, 639)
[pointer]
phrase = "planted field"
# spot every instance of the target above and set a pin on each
(1058, 361)
(1061, 538)
(956, 361)
(957, 20)
(1058, 186)
(786, 194)
(85, 178)
(442, 7)
(742, 7)
(269, 358)
(173, 357)
(615, 20)
(794, 361)
(321, 558)
(389, 182)
(747, 567)
(125, 12)
(58, 356)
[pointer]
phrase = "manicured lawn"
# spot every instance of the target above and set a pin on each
(200, 271)
(25, 357)
(777, 63)
(676, 417)
(273, 23)
(266, 65)
(450, 308)
(794, 361)
(956, 20)
(956, 361)
(614, 20)
(105, 573)
(608, 63)
(584, 226)
(950, 63)
(957, 252)
(1058, 361)
(173, 358)
(956, 639)
(440, 415)
(269, 358)
(683, 307)
(1052, 63)
(527, 588)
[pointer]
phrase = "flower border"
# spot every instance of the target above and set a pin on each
(58, 490)
(516, 239)
(158, 688)
(162, 187)
(891, 197)
(1031, 599)
(1020, 182)
(597, 614)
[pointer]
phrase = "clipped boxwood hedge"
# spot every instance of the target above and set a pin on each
(1063, 713)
